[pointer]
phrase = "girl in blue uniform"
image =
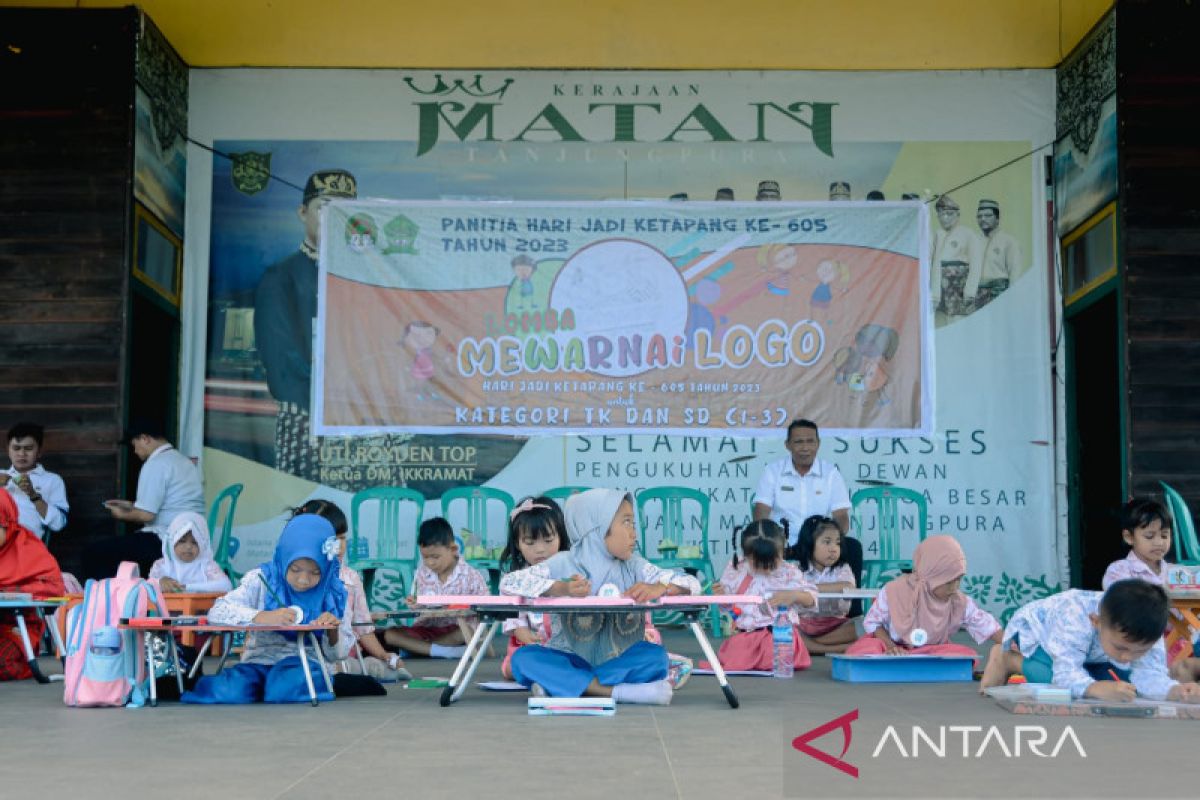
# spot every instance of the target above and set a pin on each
(303, 574)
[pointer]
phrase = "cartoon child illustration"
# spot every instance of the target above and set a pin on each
(828, 271)
(779, 258)
(419, 337)
(861, 367)
(523, 268)
(700, 316)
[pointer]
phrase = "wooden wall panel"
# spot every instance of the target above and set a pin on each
(1158, 101)
(66, 138)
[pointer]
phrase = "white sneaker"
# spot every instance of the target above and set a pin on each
(380, 671)
(658, 693)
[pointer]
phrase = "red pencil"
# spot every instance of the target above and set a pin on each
(1115, 677)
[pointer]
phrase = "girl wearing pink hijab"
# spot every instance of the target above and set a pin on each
(918, 613)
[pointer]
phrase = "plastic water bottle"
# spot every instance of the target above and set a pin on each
(785, 655)
(106, 641)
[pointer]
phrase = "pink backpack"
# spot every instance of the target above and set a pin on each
(106, 666)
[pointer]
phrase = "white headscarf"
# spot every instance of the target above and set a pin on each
(589, 515)
(595, 637)
(194, 571)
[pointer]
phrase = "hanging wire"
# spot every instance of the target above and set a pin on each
(932, 198)
(994, 170)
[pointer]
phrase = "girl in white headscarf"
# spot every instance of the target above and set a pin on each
(187, 564)
(602, 654)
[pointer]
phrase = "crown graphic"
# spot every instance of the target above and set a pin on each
(474, 88)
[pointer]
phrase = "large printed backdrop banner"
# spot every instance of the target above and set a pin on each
(687, 318)
(432, 319)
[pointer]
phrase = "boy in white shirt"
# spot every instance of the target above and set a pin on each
(442, 571)
(1102, 646)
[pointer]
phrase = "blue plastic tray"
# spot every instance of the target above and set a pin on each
(902, 669)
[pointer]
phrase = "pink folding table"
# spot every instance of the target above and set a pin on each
(493, 610)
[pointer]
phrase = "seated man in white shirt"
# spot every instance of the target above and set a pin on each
(801, 485)
(41, 495)
(168, 485)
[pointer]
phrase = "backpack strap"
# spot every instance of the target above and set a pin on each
(127, 571)
(138, 690)
(736, 611)
(130, 637)
(75, 634)
(108, 601)
(155, 605)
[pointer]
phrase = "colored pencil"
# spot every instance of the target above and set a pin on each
(272, 591)
(1117, 678)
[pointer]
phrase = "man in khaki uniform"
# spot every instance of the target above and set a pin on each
(1001, 254)
(957, 263)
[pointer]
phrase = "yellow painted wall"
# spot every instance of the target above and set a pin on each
(644, 34)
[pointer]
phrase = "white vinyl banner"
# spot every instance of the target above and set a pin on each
(289, 141)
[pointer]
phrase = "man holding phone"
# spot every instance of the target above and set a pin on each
(168, 485)
(40, 495)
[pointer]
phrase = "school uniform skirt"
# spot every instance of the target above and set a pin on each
(755, 650)
(869, 645)
(819, 626)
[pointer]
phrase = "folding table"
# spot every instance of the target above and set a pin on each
(493, 610)
(39, 607)
(850, 594)
(159, 626)
(190, 604)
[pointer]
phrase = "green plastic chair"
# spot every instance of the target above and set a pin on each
(477, 499)
(387, 536)
(561, 493)
(224, 545)
(887, 517)
(1187, 548)
(674, 525)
